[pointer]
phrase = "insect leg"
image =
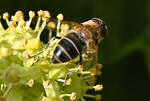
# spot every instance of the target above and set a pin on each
(74, 71)
(47, 45)
(80, 63)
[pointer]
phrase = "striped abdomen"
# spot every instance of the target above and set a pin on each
(69, 47)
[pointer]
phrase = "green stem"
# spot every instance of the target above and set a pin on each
(8, 89)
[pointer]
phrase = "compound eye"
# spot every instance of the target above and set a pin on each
(97, 21)
(102, 26)
(104, 30)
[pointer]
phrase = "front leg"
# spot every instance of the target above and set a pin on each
(46, 47)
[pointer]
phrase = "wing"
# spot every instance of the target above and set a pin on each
(72, 25)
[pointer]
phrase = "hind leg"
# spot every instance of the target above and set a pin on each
(74, 71)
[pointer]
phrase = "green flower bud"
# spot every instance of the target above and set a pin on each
(5, 52)
(12, 75)
(33, 44)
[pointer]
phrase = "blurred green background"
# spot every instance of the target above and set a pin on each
(124, 53)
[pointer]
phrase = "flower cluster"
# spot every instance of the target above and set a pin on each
(27, 78)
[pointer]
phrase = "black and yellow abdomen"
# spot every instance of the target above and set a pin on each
(69, 47)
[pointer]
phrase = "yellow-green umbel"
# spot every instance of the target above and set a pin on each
(27, 78)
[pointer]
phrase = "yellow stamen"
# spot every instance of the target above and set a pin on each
(46, 83)
(1, 26)
(30, 83)
(45, 18)
(40, 14)
(12, 24)
(64, 28)
(60, 18)
(21, 23)
(72, 96)
(6, 17)
(98, 87)
(51, 25)
(19, 15)
(31, 15)
(68, 82)
(14, 18)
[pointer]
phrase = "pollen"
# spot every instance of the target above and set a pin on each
(98, 87)
(73, 96)
(6, 16)
(45, 98)
(12, 24)
(19, 15)
(64, 28)
(46, 83)
(14, 18)
(30, 83)
(40, 13)
(51, 25)
(60, 17)
(46, 16)
(68, 82)
(31, 14)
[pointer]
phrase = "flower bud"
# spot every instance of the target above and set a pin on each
(5, 52)
(51, 25)
(12, 75)
(33, 44)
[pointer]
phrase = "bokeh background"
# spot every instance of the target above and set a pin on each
(124, 53)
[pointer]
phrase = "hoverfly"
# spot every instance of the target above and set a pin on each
(80, 38)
